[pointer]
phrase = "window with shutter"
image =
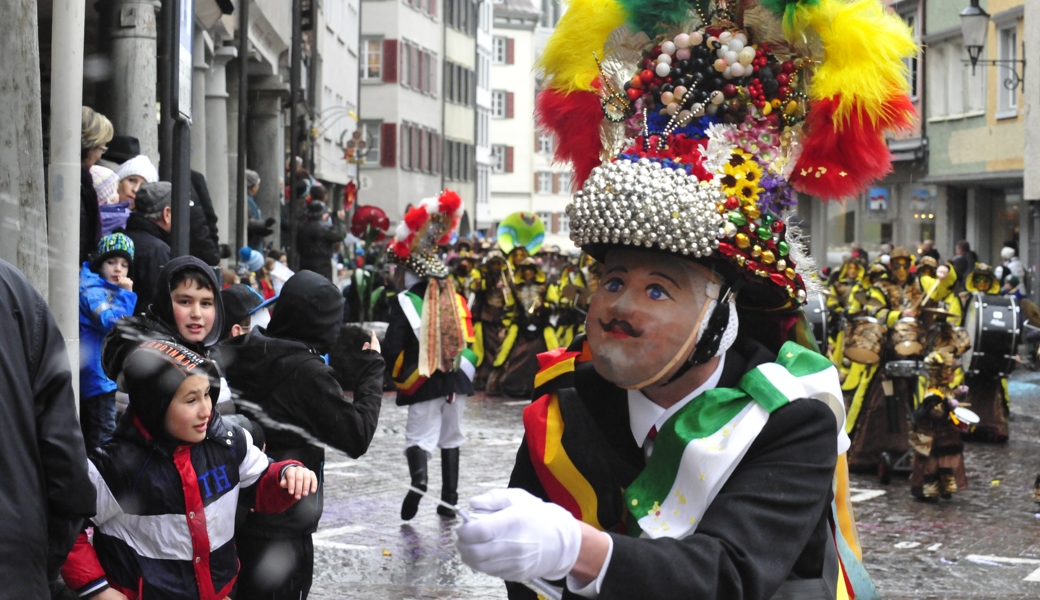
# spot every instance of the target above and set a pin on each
(390, 61)
(388, 149)
(509, 105)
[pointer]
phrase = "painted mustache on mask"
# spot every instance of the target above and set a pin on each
(622, 326)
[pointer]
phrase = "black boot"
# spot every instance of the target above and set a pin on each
(450, 480)
(417, 467)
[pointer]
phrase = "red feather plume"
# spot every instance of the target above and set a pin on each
(449, 202)
(841, 160)
(574, 119)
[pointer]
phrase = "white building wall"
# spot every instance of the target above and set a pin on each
(337, 31)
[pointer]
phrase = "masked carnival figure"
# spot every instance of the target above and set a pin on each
(488, 303)
(427, 347)
(528, 332)
(685, 447)
(993, 322)
(578, 281)
(839, 297)
(938, 453)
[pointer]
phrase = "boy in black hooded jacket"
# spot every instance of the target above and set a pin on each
(185, 309)
(280, 380)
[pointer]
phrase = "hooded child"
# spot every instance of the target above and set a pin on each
(168, 486)
(281, 381)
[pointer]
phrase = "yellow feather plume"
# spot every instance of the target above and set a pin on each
(864, 47)
(567, 59)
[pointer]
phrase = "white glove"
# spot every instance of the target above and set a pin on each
(520, 538)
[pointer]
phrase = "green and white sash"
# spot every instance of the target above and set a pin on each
(700, 446)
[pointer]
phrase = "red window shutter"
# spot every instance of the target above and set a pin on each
(509, 159)
(510, 51)
(390, 61)
(509, 105)
(433, 8)
(388, 150)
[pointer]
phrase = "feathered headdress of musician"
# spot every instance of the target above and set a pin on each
(690, 124)
(423, 229)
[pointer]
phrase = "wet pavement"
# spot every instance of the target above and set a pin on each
(985, 543)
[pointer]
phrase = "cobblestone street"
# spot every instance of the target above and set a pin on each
(982, 544)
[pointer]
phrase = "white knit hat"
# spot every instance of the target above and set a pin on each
(105, 183)
(141, 166)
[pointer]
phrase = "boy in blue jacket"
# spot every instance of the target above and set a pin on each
(106, 294)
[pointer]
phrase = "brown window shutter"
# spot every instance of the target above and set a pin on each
(510, 50)
(556, 183)
(509, 105)
(390, 61)
(536, 188)
(555, 218)
(388, 139)
(509, 159)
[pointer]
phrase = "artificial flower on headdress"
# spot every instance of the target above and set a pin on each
(689, 125)
(425, 227)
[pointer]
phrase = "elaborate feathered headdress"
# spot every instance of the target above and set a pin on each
(424, 227)
(689, 123)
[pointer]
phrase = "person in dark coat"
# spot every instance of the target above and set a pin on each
(316, 237)
(280, 381)
(201, 196)
(202, 242)
(149, 228)
(963, 263)
(41, 446)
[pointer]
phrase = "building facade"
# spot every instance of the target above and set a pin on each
(524, 176)
(336, 68)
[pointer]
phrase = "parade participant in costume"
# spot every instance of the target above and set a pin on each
(578, 281)
(938, 470)
(839, 297)
(489, 313)
(686, 417)
(987, 391)
(528, 332)
(464, 276)
(426, 344)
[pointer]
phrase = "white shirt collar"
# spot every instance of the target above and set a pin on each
(644, 413)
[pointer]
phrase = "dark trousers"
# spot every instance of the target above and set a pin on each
(97, 419)
(274, 568)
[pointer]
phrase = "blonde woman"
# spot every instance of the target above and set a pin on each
(96, 132)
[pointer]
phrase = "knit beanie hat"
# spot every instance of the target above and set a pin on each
(105, 183)
(252, 259)
(153, 373)
(113, 244)
(139, 165)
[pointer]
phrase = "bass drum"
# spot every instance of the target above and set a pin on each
(993, 324)
(816, 312)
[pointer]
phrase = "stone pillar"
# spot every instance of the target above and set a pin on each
(217, 141)
(198, 104)
(267, 143)
(132, 26)
(232, 154)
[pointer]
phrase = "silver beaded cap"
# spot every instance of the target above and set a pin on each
(646, 204)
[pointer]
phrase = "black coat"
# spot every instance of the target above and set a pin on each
(89, 216)
(48, 492)
(316, 245)
(283, 383)
(768, 524)
(201, 243)
(201, 191)
(400, 339)
(151, 252)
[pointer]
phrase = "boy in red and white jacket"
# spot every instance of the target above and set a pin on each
(168, 485)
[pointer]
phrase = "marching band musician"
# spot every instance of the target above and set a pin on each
(987, 392)
(938, 470)
(842, 283)
(489, 313)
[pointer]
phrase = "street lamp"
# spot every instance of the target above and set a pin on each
(974, 26)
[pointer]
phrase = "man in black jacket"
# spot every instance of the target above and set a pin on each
(41, 447)
(149, 227)
(280, 380)
(316, 239)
